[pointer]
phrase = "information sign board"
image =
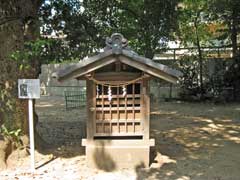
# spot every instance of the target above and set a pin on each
(29, 88)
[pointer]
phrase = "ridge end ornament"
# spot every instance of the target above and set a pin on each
(116, 42)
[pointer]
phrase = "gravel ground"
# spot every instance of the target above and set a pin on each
(193, 141)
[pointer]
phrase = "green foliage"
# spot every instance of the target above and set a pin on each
(147, 24)
(4, 97)
(194, 30)
(25, 56)
(219, 78)
(190, 80)
(11, 134)
(46, 51)
(232, 78)
(215, 85)
(194, 18)
(7, 105)
(226, 13)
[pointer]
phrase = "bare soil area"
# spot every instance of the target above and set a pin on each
(197, 141)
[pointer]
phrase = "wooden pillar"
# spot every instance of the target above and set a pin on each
(145, 103)
(91, 109)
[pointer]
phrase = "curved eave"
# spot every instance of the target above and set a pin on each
(149, 66)
(151, 63)
(76, 70)
(125, 56)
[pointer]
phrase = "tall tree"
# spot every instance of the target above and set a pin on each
(194, 31)
(148, 24)
(227, 12)
(18, 24)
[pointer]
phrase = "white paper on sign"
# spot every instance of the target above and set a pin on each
(29, 88)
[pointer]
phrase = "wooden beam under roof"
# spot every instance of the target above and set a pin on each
(150, 70)
(126, 57)
(116, 76)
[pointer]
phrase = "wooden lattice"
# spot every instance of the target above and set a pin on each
(122, 115)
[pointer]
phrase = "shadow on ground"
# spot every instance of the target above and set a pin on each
(102, 159)
(194, 141)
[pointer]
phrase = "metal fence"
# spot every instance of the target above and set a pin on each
(214, 52)
(75, 99)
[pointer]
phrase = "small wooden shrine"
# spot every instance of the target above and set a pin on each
(118, 104)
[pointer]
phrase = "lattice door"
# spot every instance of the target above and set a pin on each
(118, 111)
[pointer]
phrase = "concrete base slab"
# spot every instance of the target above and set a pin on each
(109, 155)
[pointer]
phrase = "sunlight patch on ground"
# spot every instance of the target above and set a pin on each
(115, 176)
(232, 138)
(183, 178)
(237, 109)
(215, 127)
(44, 105)
(211, 110)
(193, 145)
(163, 112)
(202, 119)
(226, 120)
(161, 159)
(215, 145)
(170, 173)
(233, 132)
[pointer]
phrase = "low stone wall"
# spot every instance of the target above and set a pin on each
(50, 86)
(160, 91)
(59, 90)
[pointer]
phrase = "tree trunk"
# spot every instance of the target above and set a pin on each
(149, 53)
(233, 28)
(148, 50)
(200, 58)
(233, 31)
(18, 24)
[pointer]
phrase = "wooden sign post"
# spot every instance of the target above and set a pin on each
(30, 89)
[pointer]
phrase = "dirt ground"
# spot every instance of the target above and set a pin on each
(197, 141)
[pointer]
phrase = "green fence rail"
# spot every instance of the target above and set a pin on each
(75, 99)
